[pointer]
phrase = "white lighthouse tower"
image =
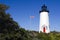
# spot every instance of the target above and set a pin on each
(44, 20)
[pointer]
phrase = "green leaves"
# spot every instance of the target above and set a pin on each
(3, 7)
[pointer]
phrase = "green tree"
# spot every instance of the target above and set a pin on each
(7, 24)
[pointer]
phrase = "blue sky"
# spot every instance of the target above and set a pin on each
(21, 10)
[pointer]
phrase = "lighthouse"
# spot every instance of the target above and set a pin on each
(44, 20)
